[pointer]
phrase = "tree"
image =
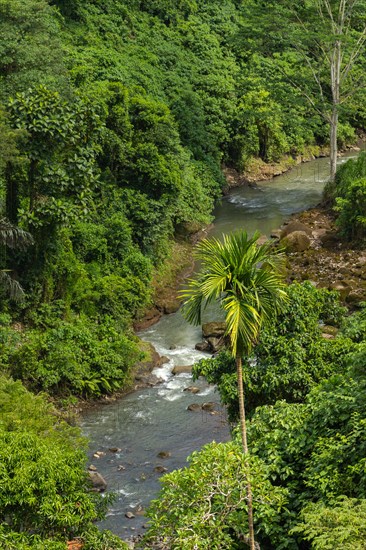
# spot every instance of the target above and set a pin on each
(59, 172)
(340, 45)
(322, 41)
(245, 279)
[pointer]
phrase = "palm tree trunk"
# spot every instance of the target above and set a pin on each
(243, 428)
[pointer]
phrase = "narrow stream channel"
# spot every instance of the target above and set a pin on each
(154, 420)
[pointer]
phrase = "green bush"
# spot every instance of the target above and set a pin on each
(79, 356)
(45, 493)
(348, 194)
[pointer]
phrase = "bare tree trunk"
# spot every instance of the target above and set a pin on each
(333, 143)
(335, 75)
(243, 428)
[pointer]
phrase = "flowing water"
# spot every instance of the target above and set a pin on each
(154, 420)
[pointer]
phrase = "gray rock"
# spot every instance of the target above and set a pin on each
(194, 407)
(182, 369)
(214, 329)
(192, 389)
(99, 484)
(148, 380)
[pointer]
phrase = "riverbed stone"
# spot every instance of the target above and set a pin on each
(215, 343)
(214, 329)
(263, 239)
(164, 454)
(209, 406)
(160, 469)
(182, 369)
(276, 234)
(293, 227)
(171, 306)
(297, 241)
(194, 407)
(203, 346)
(98, 454)
(330, 240)
(129, 515)
(147, 380)
(192, 389)
(98, 482)
(151, 359)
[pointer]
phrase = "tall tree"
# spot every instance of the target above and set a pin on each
(319, 46)
(246, 280)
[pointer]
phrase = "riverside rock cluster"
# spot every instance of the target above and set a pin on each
(316, 252)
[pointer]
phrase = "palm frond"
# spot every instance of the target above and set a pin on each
(245, 278)
(243, 324)
(13, 236)
(12, 288)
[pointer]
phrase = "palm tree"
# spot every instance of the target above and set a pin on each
(13, 237)
(246, 279)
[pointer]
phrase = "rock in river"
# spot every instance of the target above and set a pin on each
(98, 482)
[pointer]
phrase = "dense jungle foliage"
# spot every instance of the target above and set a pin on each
(115, 122)
(116, 119)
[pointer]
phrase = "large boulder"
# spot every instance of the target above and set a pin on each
(214, 329)
(98, 482)
(295, 226)
(216, 343)
(203, 346)
(297, 241)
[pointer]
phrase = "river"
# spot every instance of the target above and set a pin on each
(154, 420)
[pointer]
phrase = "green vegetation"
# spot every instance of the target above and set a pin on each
(116, 119)
(348, 197)
(45, 497)
(290, 357)
(311, 449)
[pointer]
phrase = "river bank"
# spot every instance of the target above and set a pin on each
(328, 261)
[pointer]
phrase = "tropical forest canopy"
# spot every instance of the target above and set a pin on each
(116, 121)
